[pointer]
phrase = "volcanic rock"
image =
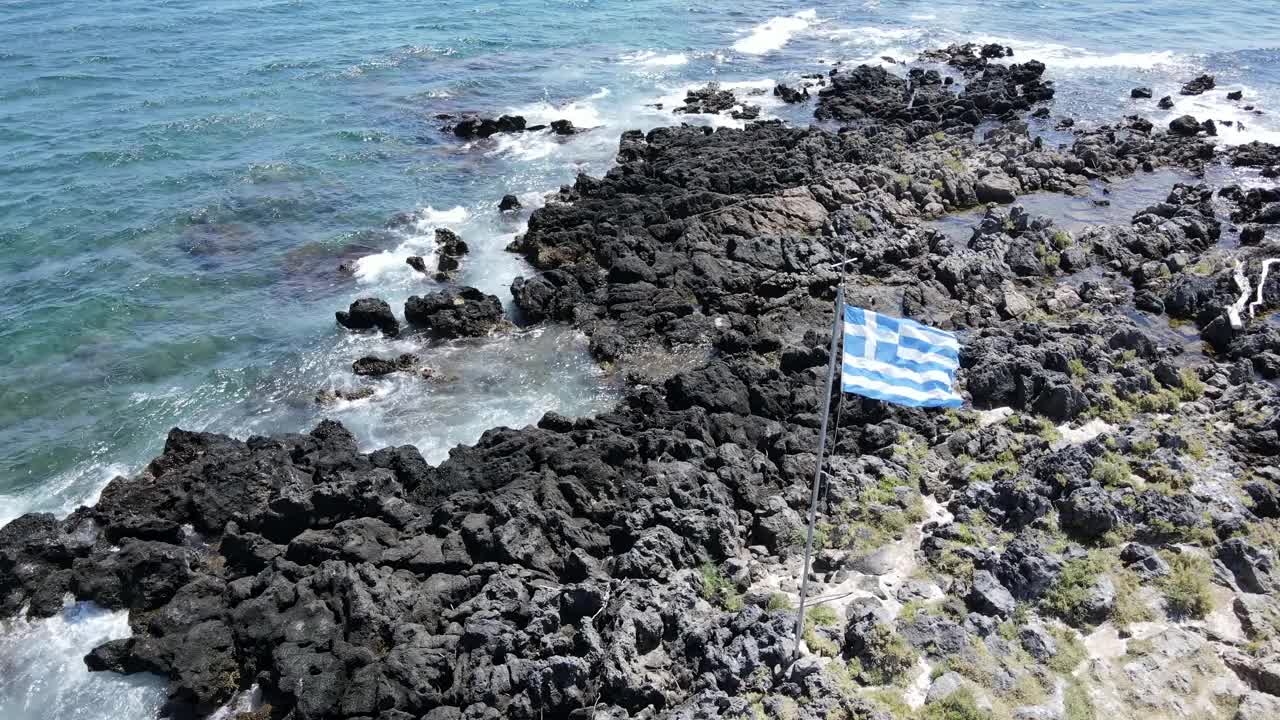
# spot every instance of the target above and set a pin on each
(710, 100)
(1198, 86)
(369, 314)
(477, 127)
(790, 95)
(1184, 125)
(465, 312)
(377, 367)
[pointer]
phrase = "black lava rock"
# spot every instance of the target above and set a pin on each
(369, 314)
(563, 127)
(465, 312)
(1184, 125)
(790, 95)
(1198, 86)
(477, 127)
(377, 367)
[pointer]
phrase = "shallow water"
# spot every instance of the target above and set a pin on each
(1105, 204)
(179, 181)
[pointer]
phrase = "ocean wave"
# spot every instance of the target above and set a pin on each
(537, 145)
(871, 35)
(775, 33)
(1075, 58)
(582, 113)
(419, 240)
(45, 675)
(1246, 126)
(748, 92)
(526, 146)
(65, 492)
(649, 58)
(890, 56)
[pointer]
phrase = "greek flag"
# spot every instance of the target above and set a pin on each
(899, 361)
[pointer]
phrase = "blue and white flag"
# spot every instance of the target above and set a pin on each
(899, 361)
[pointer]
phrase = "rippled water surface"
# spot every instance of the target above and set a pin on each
(180, 180)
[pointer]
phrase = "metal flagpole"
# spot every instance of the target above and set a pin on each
(817, 471)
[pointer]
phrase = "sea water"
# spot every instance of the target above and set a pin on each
(179, 182)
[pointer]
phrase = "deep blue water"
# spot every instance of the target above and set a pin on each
(179, 181)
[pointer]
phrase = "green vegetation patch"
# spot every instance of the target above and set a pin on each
(718, 589)
(1187, 591)
(959, 705)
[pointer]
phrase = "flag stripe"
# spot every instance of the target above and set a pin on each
(916, 344)
(941, 338)
(888, 372)
(899, 360)
(854, 347)
(898, 394)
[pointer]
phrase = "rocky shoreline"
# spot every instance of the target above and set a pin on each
(1096, 537)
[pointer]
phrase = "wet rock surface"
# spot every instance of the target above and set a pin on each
(480, 127)
(1198, 86)
(454, 313)
(369, 314)
(377, 367)
(644, 563)
(710, 100)
(449, 250)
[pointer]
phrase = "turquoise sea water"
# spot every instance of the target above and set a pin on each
(179, 181)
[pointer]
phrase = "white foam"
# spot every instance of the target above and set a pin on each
(775, 33)
(509, 379)
(743, 89)
(430, 218)
(244, 702)
(526, 146)
(1067, 57)
(65, 492)
(582, 113)
(890, 57)
(871, 35)
(1245, 126)
(42, 671)
(541, 144)
(649, 58)
(419, 240)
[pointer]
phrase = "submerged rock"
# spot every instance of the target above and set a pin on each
(328, 397)
(377, 367)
